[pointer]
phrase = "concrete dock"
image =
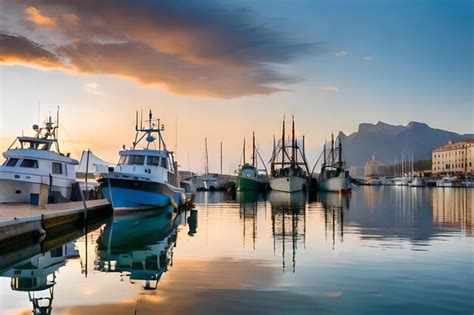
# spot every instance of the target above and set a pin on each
(19, 222)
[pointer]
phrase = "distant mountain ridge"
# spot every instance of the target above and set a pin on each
(385, 142)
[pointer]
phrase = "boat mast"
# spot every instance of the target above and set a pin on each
(244, 152)
(340, 153)
(332, 150)
(293, 143)
(283, 147)
(254, 164)
(324, 155)
(221, 157)
(206, 169)
(273, 159)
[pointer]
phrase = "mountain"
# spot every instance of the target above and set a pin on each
(386, 142)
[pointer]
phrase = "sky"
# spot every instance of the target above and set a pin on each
(222, 69)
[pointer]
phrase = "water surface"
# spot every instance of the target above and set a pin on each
(391, 250)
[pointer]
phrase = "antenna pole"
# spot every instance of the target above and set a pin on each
(332, 149)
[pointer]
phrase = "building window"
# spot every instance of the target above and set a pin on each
(29, 163)
(11, 162)
(57, 168)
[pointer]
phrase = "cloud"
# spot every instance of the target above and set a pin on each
(35, 16)
(368, 57)
(189, 48)
(329, 88)
(341, 53)
(20, 50)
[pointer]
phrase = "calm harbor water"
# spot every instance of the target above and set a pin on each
(390, 250)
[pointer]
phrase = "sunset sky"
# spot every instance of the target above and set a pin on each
(220, 69)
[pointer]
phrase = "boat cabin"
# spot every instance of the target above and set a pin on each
(148, 164)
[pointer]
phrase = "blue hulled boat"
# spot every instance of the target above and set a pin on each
(144, 178)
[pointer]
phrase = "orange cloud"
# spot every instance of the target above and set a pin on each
(35, 16)
(203, 50)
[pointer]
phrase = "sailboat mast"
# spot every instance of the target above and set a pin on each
(221, 157)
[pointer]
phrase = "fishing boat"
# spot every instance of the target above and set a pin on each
(289, 176)
(144, 178)
(250, 177)
(35, 164)
(334, 177)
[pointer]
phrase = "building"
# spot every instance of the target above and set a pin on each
(454, 157)
(375, 168)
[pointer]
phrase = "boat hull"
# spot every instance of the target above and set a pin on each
(127, 195)
(288, 184)
(335, 184)
(15, 191)
(247, 184)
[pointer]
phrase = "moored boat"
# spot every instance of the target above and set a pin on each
(144, 178)
(333, 176)
(250, 178)
(290, 176)
(447, 181)
(35, 169)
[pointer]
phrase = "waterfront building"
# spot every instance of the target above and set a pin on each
(454, 157)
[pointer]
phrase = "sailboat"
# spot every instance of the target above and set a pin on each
(250, 177)
(290, 176)
(333, 176)
(144, 178)
(35, 162)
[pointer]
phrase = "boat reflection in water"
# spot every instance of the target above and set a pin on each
(334, 206)
(139, 245)
(288, 210)
(37, 276)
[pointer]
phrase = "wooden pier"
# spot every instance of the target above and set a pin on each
(20, 222)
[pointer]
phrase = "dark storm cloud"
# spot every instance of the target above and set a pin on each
(187, 47)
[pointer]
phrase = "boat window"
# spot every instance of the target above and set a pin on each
(132, 160)
(29, 163)
(153, 160)
(57, 168)
(164, 163)
(11, 162)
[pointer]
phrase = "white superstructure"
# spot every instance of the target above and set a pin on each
(34, 161)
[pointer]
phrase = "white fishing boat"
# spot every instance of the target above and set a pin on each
(334, 177)
(144, 178)
(290, 176)
(36, 163)
(446, 181)
(250, 177)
